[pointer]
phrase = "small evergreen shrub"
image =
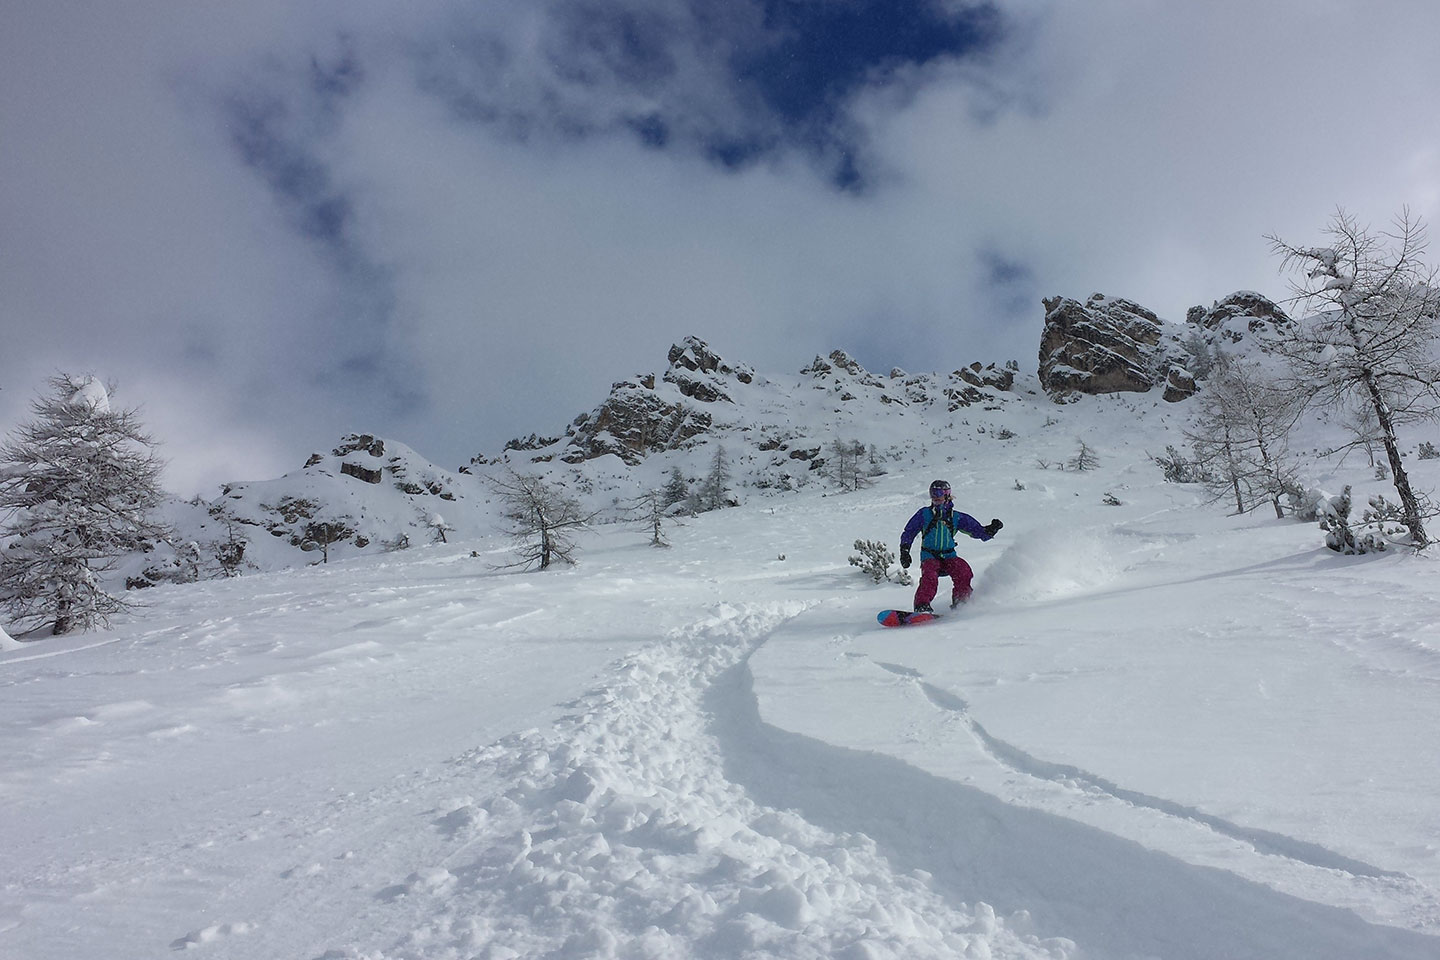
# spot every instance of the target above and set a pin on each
(1378, 528)
(874, 559)
(1178, 468)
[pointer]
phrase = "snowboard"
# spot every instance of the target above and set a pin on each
(903, 618)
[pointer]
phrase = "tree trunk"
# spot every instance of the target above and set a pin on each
(1409, 504)
(544, 540)
(1272, 475)
(1234, 470)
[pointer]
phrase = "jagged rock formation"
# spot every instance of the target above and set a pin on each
(700, 374)
(1241, 312)
(1113, 345)
(1101, 346)
(637, 420)
(642, 416)
(977, 383)
(1109, 345)
(841, 373)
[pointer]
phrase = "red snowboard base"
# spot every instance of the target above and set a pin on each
(903, 618)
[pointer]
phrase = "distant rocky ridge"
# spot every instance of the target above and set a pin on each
(1114, 345)
(702, 392)
(1104, 345)
(370, 493)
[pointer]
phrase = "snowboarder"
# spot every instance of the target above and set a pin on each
(936, 526)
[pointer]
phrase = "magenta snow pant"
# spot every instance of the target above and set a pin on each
(933, 568)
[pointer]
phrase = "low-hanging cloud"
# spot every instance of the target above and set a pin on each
(456, 225)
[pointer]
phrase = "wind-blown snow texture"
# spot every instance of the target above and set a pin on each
(1158, 731)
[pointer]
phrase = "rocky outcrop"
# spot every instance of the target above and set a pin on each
(358, 442)
(367, 474)
(844, 375)
(978, 384)
(1109, 345)
(1244, 311)
(533, 442)
(988, 376)
(633, 422)
(700, 374)
(641, 416)
(1105, 345)
(842, 363)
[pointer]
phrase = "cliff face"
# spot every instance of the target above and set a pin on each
(1114, 345)
(644, 415)
(1105, 345)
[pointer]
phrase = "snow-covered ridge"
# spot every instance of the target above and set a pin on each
(371, 494)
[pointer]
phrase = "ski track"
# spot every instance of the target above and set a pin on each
(619, 834)
(662, 817)
(1021, 762)
(1110, 895)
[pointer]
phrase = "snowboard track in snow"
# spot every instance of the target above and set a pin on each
(617, 834)
(1013, 757)
(1108, 894)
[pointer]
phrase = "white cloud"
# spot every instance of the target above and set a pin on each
(1133, 147)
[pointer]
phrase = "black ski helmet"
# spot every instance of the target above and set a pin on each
(940, 489)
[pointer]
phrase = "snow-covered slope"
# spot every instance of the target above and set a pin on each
(777, 432)
(1158, 731)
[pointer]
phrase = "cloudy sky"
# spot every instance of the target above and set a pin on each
(453, 223)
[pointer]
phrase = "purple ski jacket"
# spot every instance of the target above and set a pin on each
(939, 537)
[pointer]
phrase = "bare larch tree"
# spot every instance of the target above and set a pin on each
(541, 519)
(1370, 333)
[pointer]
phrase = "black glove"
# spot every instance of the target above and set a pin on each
(904, 558)
(993, 527)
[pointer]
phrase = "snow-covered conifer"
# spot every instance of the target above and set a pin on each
(77, 485)
(676, 490)
(715, 490)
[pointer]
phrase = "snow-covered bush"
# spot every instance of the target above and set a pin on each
(874, 559)
(1334, 514)
(1306, 503)
(1178, 468)
(1379, 528)
(230, 552)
